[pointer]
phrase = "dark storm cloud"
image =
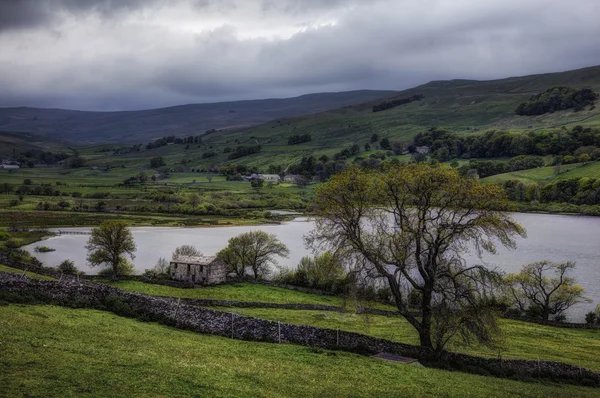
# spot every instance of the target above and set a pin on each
(16, 14)
(136, 54)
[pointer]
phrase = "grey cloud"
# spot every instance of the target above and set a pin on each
(18, 14)
(109, 63)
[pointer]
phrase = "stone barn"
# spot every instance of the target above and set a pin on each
(200, 270)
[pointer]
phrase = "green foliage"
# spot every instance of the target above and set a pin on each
(543, 289)
(557, 99)
(389, 104)
(391, 222)
(124, 268)
(157, 162)
(43, 249)
(255, 249)
(325, 271)
(68, 267)
(299, 139)
(107, 245)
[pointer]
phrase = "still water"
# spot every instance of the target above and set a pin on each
(553, 237)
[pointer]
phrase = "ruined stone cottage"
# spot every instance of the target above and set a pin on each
(200, 270)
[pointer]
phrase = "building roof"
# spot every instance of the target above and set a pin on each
(197, 260)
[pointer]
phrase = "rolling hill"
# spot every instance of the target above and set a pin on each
(12, 142)
(143, 126)
(462, 106)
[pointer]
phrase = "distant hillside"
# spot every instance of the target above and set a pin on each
(15, 143)
(143, 126)
(462, 106)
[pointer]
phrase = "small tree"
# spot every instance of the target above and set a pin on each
(157, 162)
(68, 267)
(185, 251)
(254, 249)
(109, 242)
(257, 184)
(321, 271)
(544, 289)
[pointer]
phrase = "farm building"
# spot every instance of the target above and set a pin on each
(200, 270)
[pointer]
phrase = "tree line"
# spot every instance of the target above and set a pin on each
(445, 145)
(299, 139)
(396, 102)
(557, 99)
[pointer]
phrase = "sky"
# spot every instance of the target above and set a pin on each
(139, 54)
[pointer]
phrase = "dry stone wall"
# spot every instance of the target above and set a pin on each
(191, 317)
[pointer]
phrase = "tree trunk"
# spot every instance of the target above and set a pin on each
(425, 329)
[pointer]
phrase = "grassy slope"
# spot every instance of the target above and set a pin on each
(21, 142)
(521, 340)
(546, 174)
(238, 291)
(4, 268)
(145, 125)
(52, 351)
(459, 105)
(463, 106)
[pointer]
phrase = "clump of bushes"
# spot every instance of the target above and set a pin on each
(68, 267)
(125, 268)
(43, 249)
(324, 272)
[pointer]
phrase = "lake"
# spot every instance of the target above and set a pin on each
(554, 237)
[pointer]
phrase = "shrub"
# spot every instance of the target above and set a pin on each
(125, 268)
(4, 236)
(43, 249)
(68, 267)
(590, 318)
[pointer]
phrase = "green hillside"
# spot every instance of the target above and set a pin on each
(462, 106)
(11, 142)
(146, 125)
(52, 351)
(548, 174)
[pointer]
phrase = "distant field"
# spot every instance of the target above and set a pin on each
(238, 292)
(53, 351)
(547, 174)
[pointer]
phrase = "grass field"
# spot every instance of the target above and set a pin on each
(547, 174)
(521, 340)
(90, 196)
(52, 351)
(4, 268)
(238, 292)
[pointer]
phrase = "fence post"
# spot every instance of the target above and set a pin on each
(177, 309)
(279, 331)
(60, 279)
(232, 325)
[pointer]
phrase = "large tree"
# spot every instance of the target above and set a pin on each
(254, 249)
(410, 226)
(544, 289)
(109, 244)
